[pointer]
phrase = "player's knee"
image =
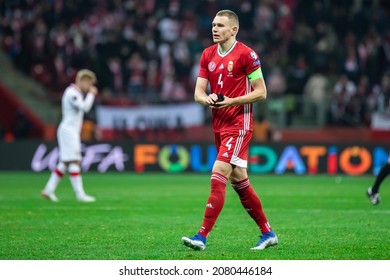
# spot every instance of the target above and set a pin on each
(74, 168)
(238, 174)
(61, 166)
(223, 168)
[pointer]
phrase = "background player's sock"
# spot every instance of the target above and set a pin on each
(76, 180)
(55, 177)
(252, 204)
(385, 170)
(214, 203)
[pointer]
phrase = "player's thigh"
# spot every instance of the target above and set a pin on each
(224, 168)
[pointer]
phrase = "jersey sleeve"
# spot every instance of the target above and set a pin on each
(251, 62)
(203, 69)
(80, 103)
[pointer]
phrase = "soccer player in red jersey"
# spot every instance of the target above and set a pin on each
(233, 71)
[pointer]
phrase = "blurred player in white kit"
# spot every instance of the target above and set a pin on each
(77, 99)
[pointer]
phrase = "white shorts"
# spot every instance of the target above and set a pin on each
(69, 144)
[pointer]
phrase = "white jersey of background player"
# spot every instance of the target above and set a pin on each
(77, 99)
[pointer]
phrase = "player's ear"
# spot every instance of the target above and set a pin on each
(234, 30)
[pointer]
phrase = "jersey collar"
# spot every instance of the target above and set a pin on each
(228, 51)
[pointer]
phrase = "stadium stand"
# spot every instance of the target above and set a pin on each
(326, 62)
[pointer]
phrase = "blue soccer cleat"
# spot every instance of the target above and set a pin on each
(266, 240)
(197, 242)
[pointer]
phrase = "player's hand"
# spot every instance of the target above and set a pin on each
(220, 102)
(210, 99)
(93, 90)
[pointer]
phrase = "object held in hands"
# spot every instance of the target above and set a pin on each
(220, 97)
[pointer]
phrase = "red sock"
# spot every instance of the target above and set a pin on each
(251, 202)
(214, 203)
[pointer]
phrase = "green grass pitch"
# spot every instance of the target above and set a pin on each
(144, 216)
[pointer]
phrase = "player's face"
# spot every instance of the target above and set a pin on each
(85, 84)
(222, 29)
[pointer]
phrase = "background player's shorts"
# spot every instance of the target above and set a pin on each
(69, 145)
(232, 146)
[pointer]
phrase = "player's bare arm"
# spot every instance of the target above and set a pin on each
(200, 94)
(259, 93)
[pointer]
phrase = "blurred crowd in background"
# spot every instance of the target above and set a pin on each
(332, 53)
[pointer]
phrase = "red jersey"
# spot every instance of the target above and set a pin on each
(227, 74)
